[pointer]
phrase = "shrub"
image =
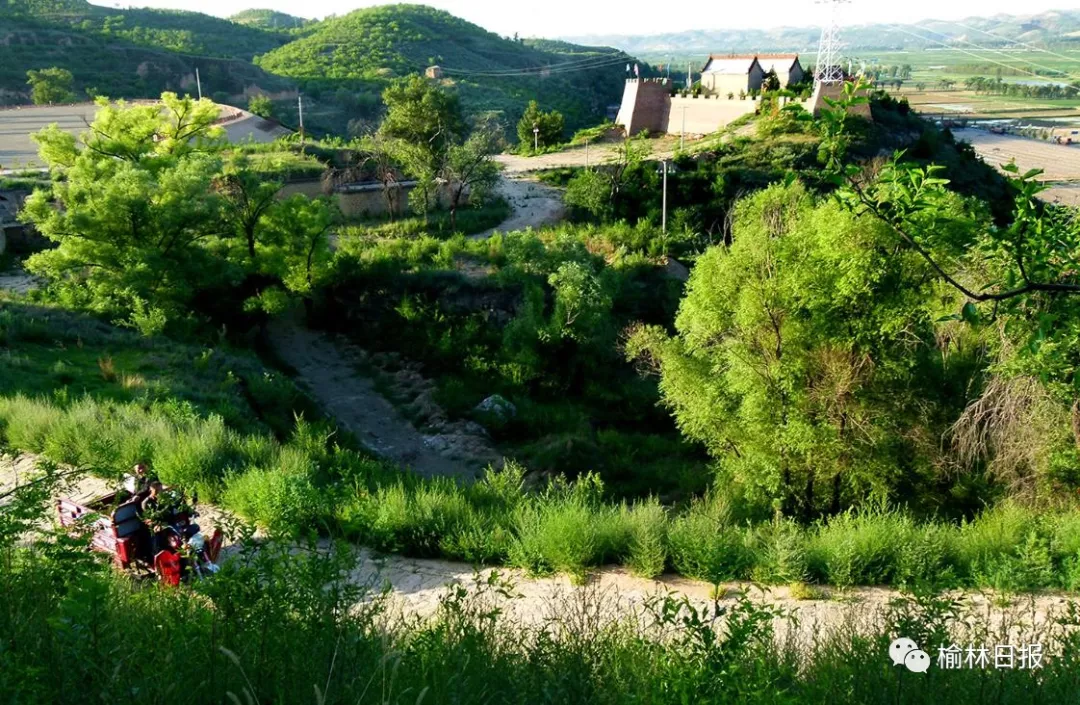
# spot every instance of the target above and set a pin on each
(780, 553)
(569, 529)
(858, 548)
(201, 456)
(27, 423)
(282, 499)
(705, 544)
(648, 540)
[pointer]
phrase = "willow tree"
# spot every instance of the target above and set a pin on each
(807, 357)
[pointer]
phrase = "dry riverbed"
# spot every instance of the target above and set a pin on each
(416, 587)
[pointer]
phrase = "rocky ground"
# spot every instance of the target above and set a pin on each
(338, 375)
(534, 205)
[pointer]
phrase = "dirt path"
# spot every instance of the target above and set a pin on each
(353, 401)
(533, 204)
(659, 148)
(417, 585)
(17, 281)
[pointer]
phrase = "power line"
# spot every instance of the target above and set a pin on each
(994, 51)
(965, 51)
(536, 71)
(1016, 41)
(574, 65)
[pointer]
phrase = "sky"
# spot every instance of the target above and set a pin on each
(568, 18)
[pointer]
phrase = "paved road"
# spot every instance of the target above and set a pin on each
(17, 150)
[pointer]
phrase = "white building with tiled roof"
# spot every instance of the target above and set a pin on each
(787, 67)
(731, 73)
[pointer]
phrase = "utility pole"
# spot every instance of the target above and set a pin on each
(663, 217)
(300, 106)
(586, 152)
(688, 77)
(536, 139)
(198, 83)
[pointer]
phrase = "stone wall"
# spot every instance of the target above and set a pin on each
(362, 199)
(705, 115)
(645, 105)
(649, 105)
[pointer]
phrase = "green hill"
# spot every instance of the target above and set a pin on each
(173, 30)
(364, 49)
(342, 65)
(116, 67)
(270, 20)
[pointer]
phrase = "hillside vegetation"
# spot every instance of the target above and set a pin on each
(269, 19)
(341, 64)
(133, 54)
(490, 72)
(175, 30)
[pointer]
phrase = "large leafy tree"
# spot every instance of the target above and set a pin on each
(145, 210)
(807, 358)
(1017, 280)
(549, 127)
(249, 200)
(423, 122)
(470, 171)
(52, 85)
(129, 204)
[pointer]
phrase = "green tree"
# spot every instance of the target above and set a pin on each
(1021, 274)
(146, 214)
(422, 123)
(598, 191)
(806, 358)
(582, 306)
(52, 85)
(550, 126)
(248, 201)
(470, 170)
(261, 105)
(771, 82)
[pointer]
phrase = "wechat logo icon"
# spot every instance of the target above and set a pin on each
(907, 652)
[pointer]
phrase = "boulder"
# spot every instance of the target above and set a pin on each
(496, 408)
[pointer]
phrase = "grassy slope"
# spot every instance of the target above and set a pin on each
(269, 19)
(377, 44)
(125, 62)
(47, 351)
(190, 32)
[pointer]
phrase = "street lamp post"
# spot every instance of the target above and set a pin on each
(536, 139)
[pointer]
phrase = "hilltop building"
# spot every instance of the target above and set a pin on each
(786, 66)
(734, 73)
(435, 72)
(648, 104)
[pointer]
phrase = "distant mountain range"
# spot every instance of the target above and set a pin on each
(1054, 28)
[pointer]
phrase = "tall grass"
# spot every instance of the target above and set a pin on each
(286, 626)
(305, 483)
